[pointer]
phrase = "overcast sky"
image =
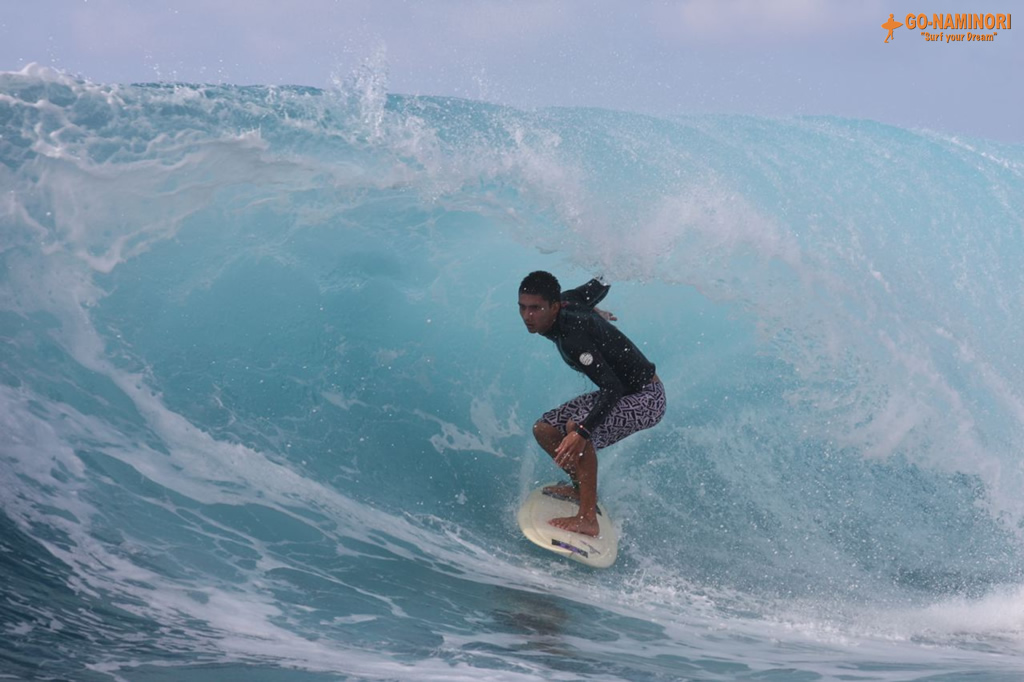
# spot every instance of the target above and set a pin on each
(760, 57)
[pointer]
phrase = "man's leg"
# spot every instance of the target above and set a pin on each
(548, 437)
(583, 476)
(585, 521)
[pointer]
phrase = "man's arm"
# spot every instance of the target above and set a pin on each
(597, 369)
(588, 295)
(610, 389)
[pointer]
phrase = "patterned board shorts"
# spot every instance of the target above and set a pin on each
(634, 412)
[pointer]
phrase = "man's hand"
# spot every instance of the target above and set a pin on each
(605, 314)
(571, 448)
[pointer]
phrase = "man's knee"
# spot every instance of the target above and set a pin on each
(543, 430)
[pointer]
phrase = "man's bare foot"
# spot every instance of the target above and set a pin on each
(563, 490)
(578, 524)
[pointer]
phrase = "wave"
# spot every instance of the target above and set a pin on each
(266, 397)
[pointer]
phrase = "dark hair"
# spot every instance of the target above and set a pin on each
(543, 284)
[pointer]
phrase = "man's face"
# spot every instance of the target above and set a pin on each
(538, 315)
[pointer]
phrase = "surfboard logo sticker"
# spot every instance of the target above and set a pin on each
(586, 359)
(571, 548)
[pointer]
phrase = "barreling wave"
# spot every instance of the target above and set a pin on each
(266, 400)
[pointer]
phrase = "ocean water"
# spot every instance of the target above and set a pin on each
(265, 398)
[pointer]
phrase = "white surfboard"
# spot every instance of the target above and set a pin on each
(541, 507)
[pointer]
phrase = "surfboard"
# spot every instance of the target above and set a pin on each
(540, 507)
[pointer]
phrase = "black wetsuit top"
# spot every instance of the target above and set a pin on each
(594, 346)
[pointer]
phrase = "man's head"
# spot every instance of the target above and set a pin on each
(540, 297)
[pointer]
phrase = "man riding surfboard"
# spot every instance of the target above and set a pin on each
(630, 396)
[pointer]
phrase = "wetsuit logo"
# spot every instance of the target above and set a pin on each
(586, 359)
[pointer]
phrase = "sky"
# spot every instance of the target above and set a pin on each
(775, 58)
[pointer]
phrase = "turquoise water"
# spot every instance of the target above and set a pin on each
(265, 398)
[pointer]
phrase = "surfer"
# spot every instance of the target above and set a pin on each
(630, 397)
